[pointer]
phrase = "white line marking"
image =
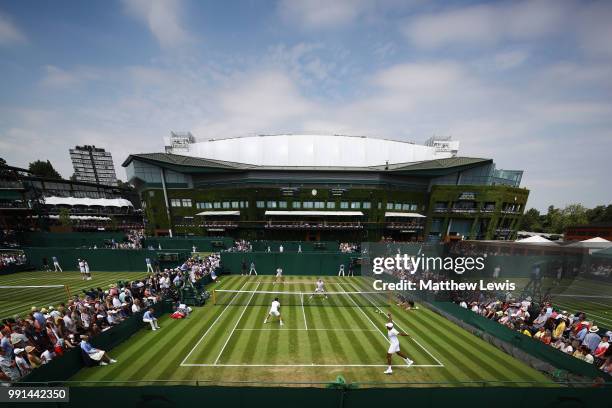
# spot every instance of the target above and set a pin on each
(236, 325)
(308, 365)
(411, 337)
(355, 330)
(210, 328)
(304, 311)
(367, 317)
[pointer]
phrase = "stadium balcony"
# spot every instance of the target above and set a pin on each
(322, 225)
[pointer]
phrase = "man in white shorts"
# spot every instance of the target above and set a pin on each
(87, 272)
(149, 265)
(275, 311)
(341, 270)
(279, 275)
(319, 288)
(82, 269)
(252, 270)
(56, 264)
(394, 346)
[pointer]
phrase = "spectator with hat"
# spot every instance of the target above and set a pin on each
(592, 339)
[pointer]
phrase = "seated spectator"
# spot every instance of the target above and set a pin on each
(94, 353)
(8, 365)
(21, 362)
(32, 357)
(150, 318)
(603, 346)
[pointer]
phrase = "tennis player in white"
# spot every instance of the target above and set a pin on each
(319, 288)
(275, 311)
(279, 275)
(394, 346)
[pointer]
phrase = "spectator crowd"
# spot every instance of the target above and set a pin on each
(12, 258)
(27, 342)
(573, 334)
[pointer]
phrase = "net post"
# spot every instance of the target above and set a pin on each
(214, 297)
(67, 289)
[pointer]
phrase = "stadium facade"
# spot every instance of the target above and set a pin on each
(316, 187)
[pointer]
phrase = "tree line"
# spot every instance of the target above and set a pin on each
(556, 220)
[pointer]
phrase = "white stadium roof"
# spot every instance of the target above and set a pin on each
(101, 202)
(314, 150)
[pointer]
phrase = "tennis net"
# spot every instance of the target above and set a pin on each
(265, 298)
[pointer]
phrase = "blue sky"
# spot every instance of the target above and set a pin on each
(528, 83)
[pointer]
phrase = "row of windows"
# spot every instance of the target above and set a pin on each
(224, 204)
(344, 205)
(180, 202)
(402, 206)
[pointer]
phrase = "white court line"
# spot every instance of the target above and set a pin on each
(264, 329)
(304, 311)
(308, 365)
(367, 317)
(581, 296)
(415, 340)
(211, 326)
(300, 283)
(236, 325)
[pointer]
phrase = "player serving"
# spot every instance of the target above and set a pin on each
(394, 346)
(319, 289)
(274, 311)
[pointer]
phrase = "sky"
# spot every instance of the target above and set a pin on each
(527, 83)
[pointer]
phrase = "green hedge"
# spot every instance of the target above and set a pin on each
(241, 396)
(292, 246)
(68, 239)
(202, 244)
(131, 260)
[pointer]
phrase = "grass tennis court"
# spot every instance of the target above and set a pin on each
(230, 342)
(19, 301)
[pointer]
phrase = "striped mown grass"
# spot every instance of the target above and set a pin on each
(15, 301)
(231, 343)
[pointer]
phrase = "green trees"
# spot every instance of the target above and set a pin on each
(556, 220)
(44, 169)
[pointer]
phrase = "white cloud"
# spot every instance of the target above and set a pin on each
(323, 13)
(9, 33)
(163, 18)
(56, 77)
(595, 29)
(487, 24)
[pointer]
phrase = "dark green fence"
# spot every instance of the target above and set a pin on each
(292, 246)
(131, 260)
(527, 344)
(293, 263)
(68, 239)
(202, 244)
(240, 396)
